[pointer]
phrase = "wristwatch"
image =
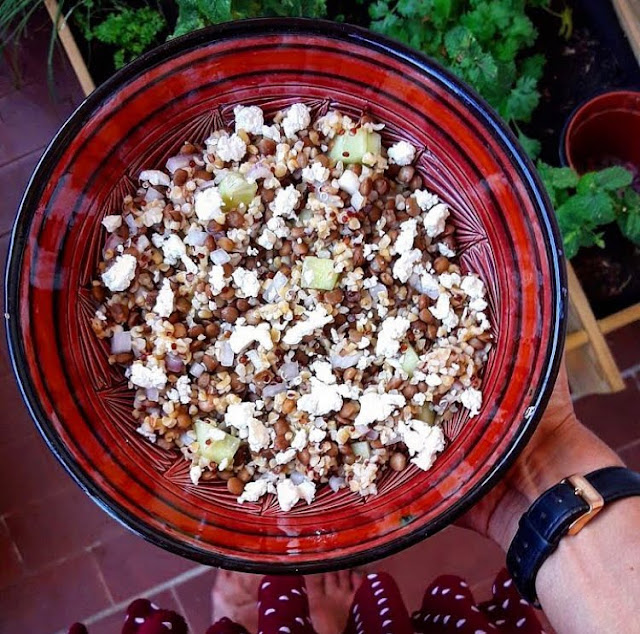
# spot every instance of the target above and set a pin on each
(564, 509)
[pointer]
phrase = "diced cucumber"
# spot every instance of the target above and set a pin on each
(409, 360)
(350, 148)
(427, 414)
(215, 450)
(234, 190)
(318, 273)
(361, 449)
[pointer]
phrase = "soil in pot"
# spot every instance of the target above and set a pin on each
(611, 276)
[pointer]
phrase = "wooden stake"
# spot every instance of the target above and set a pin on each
(70, 47)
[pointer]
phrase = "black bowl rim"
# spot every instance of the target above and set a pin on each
(331, 30)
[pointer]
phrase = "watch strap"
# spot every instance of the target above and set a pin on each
(572, 502)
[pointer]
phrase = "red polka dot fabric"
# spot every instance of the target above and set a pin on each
(448, 606)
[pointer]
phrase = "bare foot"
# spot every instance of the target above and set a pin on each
(330, 598)
(235, 595)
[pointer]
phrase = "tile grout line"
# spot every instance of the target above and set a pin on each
(15, 159)
(101, 576)
(161, 587)
(183, 612)
(629, 445)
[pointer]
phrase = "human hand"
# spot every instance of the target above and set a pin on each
(560, 447)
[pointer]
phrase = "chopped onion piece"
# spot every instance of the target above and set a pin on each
(272, 389)
(290, 370)
(336, 483)
(346, 361)
(196, 238)
(226, 355)
(197, 369)
(121, 342)
(219, 256)
(181, 161)
(153, 394)
(174, 363)
(297, 478)
(143, 243)
(152, 194)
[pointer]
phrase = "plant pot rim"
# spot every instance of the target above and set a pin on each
(571, 119)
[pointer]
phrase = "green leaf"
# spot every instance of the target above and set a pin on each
(133, 31)
(523, 99)
(595, 208)
(629, 216)
(613, 178)
(533, 66)
(531, 146)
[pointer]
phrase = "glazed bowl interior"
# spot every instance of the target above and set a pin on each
(181, 92)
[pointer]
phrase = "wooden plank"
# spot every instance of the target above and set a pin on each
(608, 324)
(629, 16)
(71, 48)
(591, 368)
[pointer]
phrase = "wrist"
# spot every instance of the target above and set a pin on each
(567, 449)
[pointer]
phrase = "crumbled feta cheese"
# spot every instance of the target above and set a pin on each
(442, 311)
(155, 178)
(243, 336)
(299, 441)
(111, 223)
(425, 199)
(285, 457)
(322, 399)
(349, 182)
(183, 385)
(238, 415)
(401, 153)
(425, 282)
(195, 472)
(189, 264)
(316, 173)
(478, 304)
(434, 220)
(230, 148)
(323, 371)
(271, 132)
(377, 407)
(289, 494)
(393, 329)
(472, 400)
(443, 249)
(267, 239)
(285, 202)
(297, 118)
(403, 266)
(121, 273)
(217, 279)
(249, 118)
(259, 437)
(317, 435)
(173, 249)
(317, 318)
(472, 286)
(147, 376)
(208, 204)
(164, 301)
(247, 282)
(408, 233)
(449, 280)
(278, 226)
(424, 442)
(253, 491)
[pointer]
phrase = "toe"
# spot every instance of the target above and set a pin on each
(355, 579)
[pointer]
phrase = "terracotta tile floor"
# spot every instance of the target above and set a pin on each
(61, 557)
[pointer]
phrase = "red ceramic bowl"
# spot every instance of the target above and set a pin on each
(139, 118)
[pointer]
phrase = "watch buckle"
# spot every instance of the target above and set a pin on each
(582, 488)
